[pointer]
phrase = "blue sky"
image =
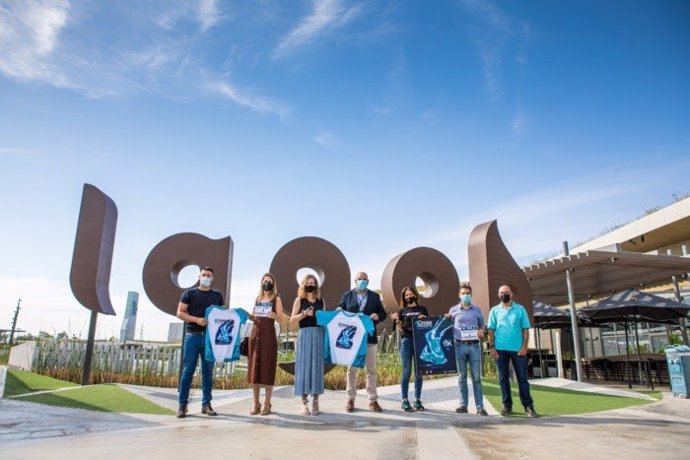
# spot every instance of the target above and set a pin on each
(378, 125)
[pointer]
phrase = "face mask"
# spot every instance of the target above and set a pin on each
(466, 299)
(205, 281)
(362, 284)
(410, 300)
(267, 286)
(309, 288)
(505, 298)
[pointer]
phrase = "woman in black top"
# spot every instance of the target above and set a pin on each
(409, 312)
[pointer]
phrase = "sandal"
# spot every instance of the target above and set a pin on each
(256, 410)
(266, 410)
(305, 407)
(315, 407)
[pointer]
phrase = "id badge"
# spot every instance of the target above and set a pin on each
(469, 333)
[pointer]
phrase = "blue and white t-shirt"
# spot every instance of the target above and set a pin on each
(346, 336)
(223, 333)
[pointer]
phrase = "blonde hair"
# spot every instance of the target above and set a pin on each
(273, 293)
(302, 294)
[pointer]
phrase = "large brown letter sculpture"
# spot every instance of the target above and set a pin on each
(91, 262)
(170, 256)
(435, 269)
(492, 266)
(320, 255)
(93, 251)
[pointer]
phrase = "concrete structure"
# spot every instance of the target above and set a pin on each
(129, 322)
(22, 356)
(662, 230)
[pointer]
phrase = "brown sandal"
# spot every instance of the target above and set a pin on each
(256, 410)
(266, 410)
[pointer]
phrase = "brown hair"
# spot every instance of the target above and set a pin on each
(273, 293)
(402, 295)
(465, 286)
(302, 294)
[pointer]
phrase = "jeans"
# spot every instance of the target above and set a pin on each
(464, 353)
(194, 345)
(520, 367)
(407, 355)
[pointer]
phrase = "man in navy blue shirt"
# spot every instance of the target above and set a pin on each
(192, 310)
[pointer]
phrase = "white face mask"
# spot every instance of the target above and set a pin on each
(205, 281)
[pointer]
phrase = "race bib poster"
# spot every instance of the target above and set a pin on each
(434, 350)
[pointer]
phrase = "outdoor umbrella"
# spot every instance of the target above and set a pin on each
(548, 317)
(632, 306)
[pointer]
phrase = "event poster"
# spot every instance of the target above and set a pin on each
(434, 348)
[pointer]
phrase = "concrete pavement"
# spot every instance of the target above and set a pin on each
(657, 430)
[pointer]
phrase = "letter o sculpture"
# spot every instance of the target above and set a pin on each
(320, 255)
(433, 267)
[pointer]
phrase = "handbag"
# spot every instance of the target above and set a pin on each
(244, 346)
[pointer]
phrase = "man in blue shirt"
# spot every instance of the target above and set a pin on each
(508, 336)
(468, 331)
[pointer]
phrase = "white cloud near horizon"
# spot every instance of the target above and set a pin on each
(325, 14)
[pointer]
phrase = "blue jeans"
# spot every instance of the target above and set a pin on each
(464, 353)
(520, 366)
(407, 355)
(193, 348)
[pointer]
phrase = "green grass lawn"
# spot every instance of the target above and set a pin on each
(20, 382)
(106, 397)
(557, 401)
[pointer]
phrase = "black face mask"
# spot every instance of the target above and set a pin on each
(505, 298)
(267, 286)
(309, 288)
(410, 300)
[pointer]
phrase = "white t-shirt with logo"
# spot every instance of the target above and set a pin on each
(346, 336)
(223, 333)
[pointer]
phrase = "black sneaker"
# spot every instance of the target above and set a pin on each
(506, 411)
(208, 410)
(406, 406)
(418, 405)
(481, 411)
(182, 411)
(461, 410)
(529, 410)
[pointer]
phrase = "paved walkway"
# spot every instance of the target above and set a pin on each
(657, 430)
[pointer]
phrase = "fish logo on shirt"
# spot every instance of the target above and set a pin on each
(345, 337)
(433, 351)
(224, 334)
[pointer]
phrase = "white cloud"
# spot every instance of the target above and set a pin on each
(245, 99)
(208, 14)
(519, 123)
(326, 13)
(324, 139)
(381, 110)
(29, 36)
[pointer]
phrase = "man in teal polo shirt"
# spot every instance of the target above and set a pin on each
(508, 335)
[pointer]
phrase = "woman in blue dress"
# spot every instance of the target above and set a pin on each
(309, 360)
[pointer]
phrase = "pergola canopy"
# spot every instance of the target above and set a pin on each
(598, 273)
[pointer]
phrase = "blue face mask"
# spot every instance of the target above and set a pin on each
(466, 299)
(362, 284)
(205, 281)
